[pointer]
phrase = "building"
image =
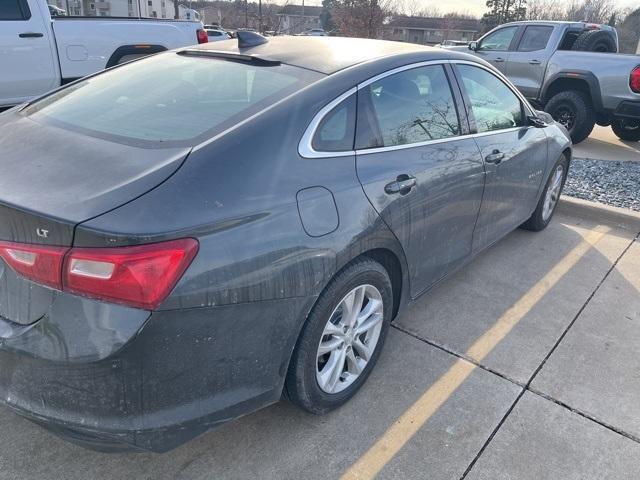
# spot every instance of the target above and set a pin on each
(430, 31)
(294, 19)
(124, 8)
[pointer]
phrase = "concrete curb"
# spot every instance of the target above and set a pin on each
(621, 217)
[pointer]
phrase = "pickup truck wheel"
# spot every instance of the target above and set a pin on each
(628, 130)
(574, 110)
(595, 41)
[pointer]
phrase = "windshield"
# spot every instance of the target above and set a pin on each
(169, 98)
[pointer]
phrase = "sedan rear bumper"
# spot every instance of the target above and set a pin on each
(183, 373)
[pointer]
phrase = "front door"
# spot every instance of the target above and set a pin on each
(514, 153)
(424, 181)
(28, 67)
(494, 47)
(527, 63)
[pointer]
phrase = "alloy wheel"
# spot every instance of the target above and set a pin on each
(349, 338)
(553, 193)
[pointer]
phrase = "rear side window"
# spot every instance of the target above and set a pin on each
(14, 10)
(535, 38)
(336, 131)
(169, 98)
(494, 105)
(407, 107)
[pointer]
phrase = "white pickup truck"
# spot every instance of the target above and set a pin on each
(38, 53)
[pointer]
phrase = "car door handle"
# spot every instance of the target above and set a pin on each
(31, 35)
(499, 60)
(402, 185)
(534, 62)
(494, 157)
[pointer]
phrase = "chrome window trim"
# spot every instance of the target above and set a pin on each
(391, 148)
(305, 147)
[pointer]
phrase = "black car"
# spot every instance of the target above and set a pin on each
(188, 236)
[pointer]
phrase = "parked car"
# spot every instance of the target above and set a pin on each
(217, 35)
(188, 236)
(315, 32)
(453, 43)
(563, 68)
(40, 53)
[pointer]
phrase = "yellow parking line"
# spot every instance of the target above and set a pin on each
(396, 436)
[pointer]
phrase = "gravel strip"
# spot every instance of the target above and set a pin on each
(605, 181)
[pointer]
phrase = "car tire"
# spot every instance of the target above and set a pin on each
(574, 110)
(595, 41)
(544, 211)
(309, 366)
(628, 130)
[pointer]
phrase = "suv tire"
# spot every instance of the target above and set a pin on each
(574, 110)
(628, 130)
(595, 41)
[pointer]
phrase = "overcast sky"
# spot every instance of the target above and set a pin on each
(477, 7)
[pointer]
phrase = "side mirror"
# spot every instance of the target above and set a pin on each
(536, 121)
(473, 46)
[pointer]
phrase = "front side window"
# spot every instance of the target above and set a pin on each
(493, 104)
(535, 38)
(12, 10)
(336, 130)
(499, 40)
(169, 98)
(408, 107)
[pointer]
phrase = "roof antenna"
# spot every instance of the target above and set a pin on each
(248, 39)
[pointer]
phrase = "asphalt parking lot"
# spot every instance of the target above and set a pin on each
(523, 365)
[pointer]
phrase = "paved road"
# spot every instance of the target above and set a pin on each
(604, 145)
(524, 365)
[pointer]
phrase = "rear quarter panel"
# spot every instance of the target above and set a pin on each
(611, 70)
(85, 45)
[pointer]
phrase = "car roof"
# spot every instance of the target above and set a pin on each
(326, 54)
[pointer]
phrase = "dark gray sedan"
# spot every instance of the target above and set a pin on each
(188, 237)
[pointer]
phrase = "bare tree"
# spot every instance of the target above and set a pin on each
(360, 18)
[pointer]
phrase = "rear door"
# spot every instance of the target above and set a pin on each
(527, 63)
(515, 154)
(494, 47)
(424, 180)
(26, 52)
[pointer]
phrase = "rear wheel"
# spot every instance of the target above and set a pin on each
(548, 202)
(628, 130)
(573, 109)
(342, 339)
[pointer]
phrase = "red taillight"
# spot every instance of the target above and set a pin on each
(40, 263)
(141, 276)
(634, 80)
(202, 36)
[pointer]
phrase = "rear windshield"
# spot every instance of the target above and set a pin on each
(169, 98)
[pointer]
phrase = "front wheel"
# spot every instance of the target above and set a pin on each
(342, 338)
(628, 130)
(548, 202)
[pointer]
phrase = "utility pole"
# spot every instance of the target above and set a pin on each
(259, 16)
(176, 10)
(246, 13)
